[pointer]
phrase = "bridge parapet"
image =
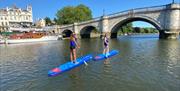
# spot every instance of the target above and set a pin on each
(173, 6)
(138, 10)
(89, 21)
(68, 25)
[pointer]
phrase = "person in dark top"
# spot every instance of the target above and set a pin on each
(106, 45)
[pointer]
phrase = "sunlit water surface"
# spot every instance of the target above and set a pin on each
(144, 63)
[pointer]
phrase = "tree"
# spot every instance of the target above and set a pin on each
(82, 13)
(137, 29)
(142, 30)
(127, 28)
(48, 21)
(55, 20)
(70, 14)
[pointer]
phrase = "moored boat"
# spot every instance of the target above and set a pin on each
(29, 37)
(2, 41)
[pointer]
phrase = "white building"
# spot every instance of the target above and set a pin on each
(15, 17)
(40, 23)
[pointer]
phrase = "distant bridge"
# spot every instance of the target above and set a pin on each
(165, 18)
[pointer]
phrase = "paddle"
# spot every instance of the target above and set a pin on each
(80, 50)
(82, 55)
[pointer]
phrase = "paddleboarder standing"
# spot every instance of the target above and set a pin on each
(73, 45)
(106, 45)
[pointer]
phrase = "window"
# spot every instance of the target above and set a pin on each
(26, 17)
(12, 17)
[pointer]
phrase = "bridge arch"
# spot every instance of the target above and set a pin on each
(66, 33)
(89, 32)
(121, 23)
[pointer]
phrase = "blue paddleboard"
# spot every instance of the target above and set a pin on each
(103, 56)
(69, 65)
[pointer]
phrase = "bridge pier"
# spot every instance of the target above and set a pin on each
(113, 35)
(168, 35)
(172, 23)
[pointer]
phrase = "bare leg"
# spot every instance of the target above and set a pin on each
(74, 54)
(107, 49)
(104, 51)
(71, 55)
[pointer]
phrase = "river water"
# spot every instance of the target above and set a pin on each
(144, 63)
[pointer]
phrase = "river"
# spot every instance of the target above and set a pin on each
(145, 63)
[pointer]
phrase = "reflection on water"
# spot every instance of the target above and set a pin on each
(145, 63)
(171, 56)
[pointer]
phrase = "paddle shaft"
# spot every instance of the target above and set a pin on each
(82, 55)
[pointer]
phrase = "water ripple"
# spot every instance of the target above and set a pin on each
(144, 64)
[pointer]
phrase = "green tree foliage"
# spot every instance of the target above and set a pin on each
(145, 30)
(142, 30)
(55, 20)
(82, 13)
(65, 15)
(48, 21)
(126, 29)
(70, 14)
(137, 30)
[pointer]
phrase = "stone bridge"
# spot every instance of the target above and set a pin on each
(165, 18)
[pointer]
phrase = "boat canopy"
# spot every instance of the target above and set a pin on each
(8, 33)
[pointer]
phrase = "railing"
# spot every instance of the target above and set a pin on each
(88, 21)
(144, 9)
(67, 25)
(83, 22)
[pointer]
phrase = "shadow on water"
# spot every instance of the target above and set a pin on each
(147, 36)
(150, 37)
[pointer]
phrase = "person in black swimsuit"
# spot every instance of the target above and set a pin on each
(106, 45)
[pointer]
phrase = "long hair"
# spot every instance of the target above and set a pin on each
(105, 35)
(71, 36)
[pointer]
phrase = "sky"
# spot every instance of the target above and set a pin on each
(48, 8)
